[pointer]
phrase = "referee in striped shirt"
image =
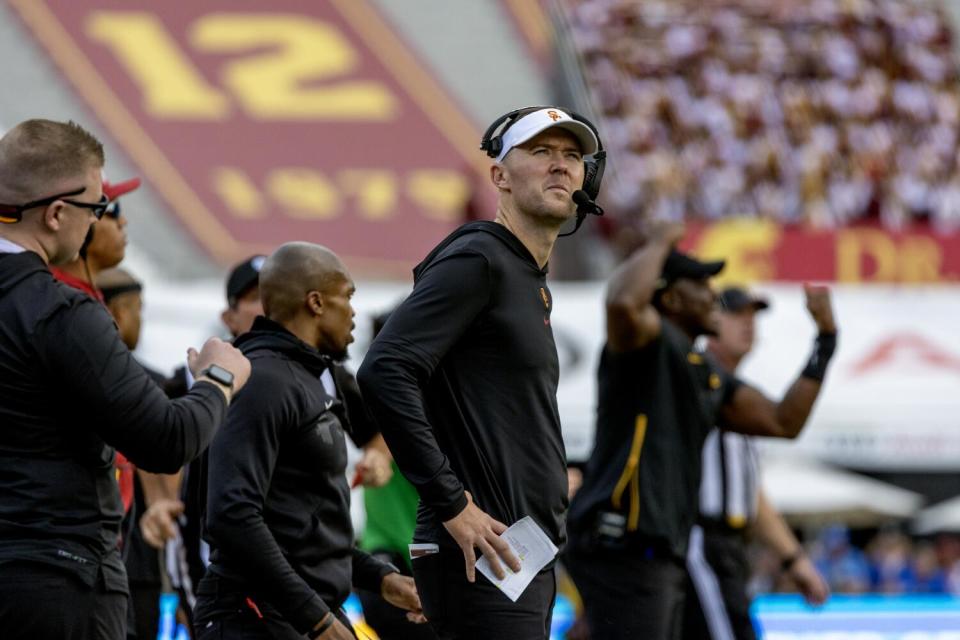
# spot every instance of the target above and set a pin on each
(733, 507)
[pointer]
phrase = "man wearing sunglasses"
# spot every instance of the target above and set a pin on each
(71, 395)
(104, 246)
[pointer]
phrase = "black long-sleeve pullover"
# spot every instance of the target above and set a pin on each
(71, 393)
(278, 504)
(463, 383)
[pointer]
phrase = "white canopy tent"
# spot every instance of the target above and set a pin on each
(807, 492)
(943, 516)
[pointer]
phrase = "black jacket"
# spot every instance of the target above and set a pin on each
(278, 503)
(463, 383)
(70, 391)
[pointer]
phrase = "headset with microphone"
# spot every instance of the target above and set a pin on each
(584, 198)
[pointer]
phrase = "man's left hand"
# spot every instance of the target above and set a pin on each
(401, 591)
(820, 308)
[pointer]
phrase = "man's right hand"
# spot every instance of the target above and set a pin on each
(472, 528)
(216, 351)
(337, 632)
(159, 522)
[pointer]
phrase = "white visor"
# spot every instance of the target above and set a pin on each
(532, 124)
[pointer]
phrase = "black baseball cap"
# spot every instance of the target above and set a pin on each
(734, 299)
(244, 277)
(679, 265)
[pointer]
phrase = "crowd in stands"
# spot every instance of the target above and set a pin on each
(814, 112)
(889, 562)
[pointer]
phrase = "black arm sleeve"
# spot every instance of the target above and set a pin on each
(241, 463)
(120, 400)
(359, 422)
(368, 572)
(445, 302)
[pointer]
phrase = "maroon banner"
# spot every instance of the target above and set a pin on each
(266, 122)
(765, 251)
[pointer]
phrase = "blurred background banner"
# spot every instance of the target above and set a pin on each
(262, 123)
(765, 251)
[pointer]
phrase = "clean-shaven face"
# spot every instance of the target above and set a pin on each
(542, 173)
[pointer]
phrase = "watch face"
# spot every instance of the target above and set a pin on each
(221, 375)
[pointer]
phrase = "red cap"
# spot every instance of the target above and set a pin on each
(114, 191)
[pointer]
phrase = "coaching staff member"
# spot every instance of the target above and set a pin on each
(278, 505)
(734, 508)
(70, 393)
(463, 383)
(658, 399)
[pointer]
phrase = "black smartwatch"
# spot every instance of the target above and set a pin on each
(219, 375)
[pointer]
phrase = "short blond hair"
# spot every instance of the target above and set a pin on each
(39, 156)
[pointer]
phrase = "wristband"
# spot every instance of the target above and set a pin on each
(318, 630)
(823, 347)
(787, 563)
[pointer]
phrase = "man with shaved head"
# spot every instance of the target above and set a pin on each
(282, 557)
(71, 396)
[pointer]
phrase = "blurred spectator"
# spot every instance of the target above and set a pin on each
(122, 294)
(891, 566)
(823, 113)
(844, 566)
(928, 577)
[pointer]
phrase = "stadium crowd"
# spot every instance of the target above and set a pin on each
(888, 562)
(821, 113)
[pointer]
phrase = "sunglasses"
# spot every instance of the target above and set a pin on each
(113, 210)
(10, 213)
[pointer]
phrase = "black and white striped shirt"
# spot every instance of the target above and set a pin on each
(729, 486)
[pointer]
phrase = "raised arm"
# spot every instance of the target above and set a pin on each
(750, 411)
(632, 322)
(122, 403)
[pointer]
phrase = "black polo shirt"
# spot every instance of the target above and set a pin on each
(656, 406)
(463, 384)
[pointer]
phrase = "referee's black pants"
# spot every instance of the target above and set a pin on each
(460, 610)
(629, 594)
(717, 604)
(41, 601)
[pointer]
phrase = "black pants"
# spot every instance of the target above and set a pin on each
(41, 601)
(628, 595)
(459, 610)
(144, 619)
(245, 625)
(717, 604)
(388, 621)
(222, 613)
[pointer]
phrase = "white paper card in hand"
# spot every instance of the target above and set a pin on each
(534, 549)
